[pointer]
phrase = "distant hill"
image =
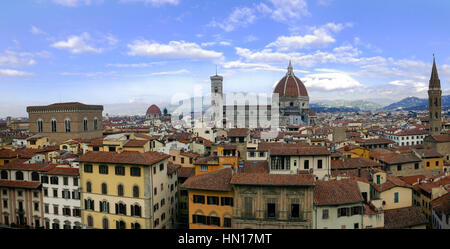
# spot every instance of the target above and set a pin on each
(319, 109)
(344, 106)
(414, 103)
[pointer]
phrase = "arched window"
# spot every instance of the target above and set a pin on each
(435, 102)
(291, 104)
(88, 187)
(67, 125)
(120, 224)
(85, 124)
(104, 188)
(19, 176)
(105, 223)
(120, 190)
(39, 125)
(35, 176)
(4, 174)
(136, 210)
(90, 221)
(436, 115)
(64, 147)
(135, 225)
(136, 191)
(53, 125)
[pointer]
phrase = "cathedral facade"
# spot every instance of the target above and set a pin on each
(289, 99)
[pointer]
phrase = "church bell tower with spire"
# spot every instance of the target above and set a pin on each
(434, 101)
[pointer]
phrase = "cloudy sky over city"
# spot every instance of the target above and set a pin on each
(127, 52)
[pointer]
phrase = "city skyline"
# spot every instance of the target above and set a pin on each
(119, 52)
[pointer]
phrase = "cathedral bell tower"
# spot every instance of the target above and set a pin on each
(216, 96)
(434, 101)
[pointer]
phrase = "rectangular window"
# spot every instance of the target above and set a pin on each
(88, 168)
(248, 201)
(295, 210)
(306, 164)
(399, 167)
(396, 197)
(5, 203)
(226, 222)
(343, 212)
(135, 171)
(103, 169)
(199, 199)
(161, 167)
(66, 180)
(120, 170)
(182, 160)
(36, 206)
(46, 209)
(356, 211)
(271, 209)
(325, 214)
(44, 179)
(213, 200)
(214, 221)
(319, 163)
(55, 209)
(356, 225)
(95, 124)
(416, 166)
(55, 193)
(203, 167)
(226, 201)
(378, 179)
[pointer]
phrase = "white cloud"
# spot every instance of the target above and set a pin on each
(330, 81)
(251, 66)
(10, 72)
(89, 74)
(36, 31)
(222, 43)
(240, 17)
(137, 65)
(174, 49)
(288, 10)
(319, 37)
(182, 71)
(153, 2)
(76, 3)
(16, 59)
(77, 44)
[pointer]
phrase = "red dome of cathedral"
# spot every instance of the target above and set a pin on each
(290, 85)
(154, 109)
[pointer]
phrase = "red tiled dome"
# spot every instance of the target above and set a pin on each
(290, 85)
(153, 110)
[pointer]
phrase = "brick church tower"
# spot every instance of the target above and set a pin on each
(434, 101)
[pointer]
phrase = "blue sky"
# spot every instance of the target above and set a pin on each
(131, 53)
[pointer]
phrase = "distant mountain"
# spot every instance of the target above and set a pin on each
(344, 106)
(414, 103)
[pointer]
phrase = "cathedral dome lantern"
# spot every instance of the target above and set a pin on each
(290, 85)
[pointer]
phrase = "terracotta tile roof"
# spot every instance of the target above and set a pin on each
(186, 172)
(190, 154)
(204, 141)
(273, 179)
(19, 184)
(64, 171)
(135, 143)
(404, 217)
(238, 132)
(5, 153)
(442, 138)
(335, 192)
(391, 182)
(171, 168)
(427, 187)
(411, 180)
(218, 180)
(390, 157)
(442, 204)
(412, 132)
(96, 142)
(374, 141)
(19, 164)
(429, 153)
(210, 160)
(126, 157)
(254, 167)
(353, 163)
(301, 151)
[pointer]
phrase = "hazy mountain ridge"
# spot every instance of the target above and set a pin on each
(414, 103)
